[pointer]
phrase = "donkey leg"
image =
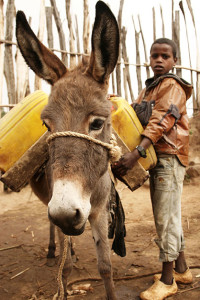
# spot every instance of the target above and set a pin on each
(99, 227)
(73, 254)
(52, 244)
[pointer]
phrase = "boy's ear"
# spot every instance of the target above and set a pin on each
(175, 60)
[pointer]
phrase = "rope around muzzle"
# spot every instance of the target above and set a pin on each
(112, 147)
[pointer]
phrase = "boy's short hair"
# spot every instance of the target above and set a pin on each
(168, 42)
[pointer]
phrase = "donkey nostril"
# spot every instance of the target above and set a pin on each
(77, 216)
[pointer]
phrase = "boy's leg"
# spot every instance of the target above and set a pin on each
(167, 273)
(180, 263)
(166, 183)
(161, 290)
(181, 273)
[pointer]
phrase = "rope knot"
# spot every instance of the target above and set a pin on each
(115, 151)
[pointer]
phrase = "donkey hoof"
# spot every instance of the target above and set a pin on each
(75, 258)
(50, 262)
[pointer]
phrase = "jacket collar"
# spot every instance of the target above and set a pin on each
(152, 82)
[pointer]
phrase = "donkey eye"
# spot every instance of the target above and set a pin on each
(96, 124)
(45, 124)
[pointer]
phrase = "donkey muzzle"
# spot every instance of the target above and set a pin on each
(67, 227)
(69, 208)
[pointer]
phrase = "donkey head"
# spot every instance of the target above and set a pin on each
(77, 103)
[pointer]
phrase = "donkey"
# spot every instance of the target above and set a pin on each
(76, 183)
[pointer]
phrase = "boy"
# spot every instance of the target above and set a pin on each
(168, 130)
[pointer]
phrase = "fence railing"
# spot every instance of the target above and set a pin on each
(124, 77)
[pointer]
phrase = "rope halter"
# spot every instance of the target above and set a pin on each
(112, 147)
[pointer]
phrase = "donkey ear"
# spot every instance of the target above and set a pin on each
(39, 58)
(105, 43)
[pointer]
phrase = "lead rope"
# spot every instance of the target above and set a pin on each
(114, 155)
(60, 294)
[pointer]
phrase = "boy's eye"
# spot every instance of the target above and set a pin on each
(154, 56)
(165, 56)
(96, 124)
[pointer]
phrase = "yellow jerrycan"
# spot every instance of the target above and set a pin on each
(20, 128)
(127, 125)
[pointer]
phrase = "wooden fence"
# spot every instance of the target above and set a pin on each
(16, 73)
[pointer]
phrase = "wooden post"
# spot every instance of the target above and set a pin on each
(86, 27)
(22, 74)
(49, 13)
(177, 41)
(173, 20)
(60, 31)
(40, 35)
(125, 83)
(118, 67)
(154, 23)
(163, 24)
(77, 40)
(126, 61)
(183, 12)
(145, 50)
(71, 35)
(113, 83)
(8, 57)
(197, 57)
(1, 51)
(138, 68)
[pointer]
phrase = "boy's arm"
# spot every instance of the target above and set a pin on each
(128, 160)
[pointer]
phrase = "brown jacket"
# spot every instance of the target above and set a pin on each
(168, 126)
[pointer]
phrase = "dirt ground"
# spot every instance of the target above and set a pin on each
(24, 227)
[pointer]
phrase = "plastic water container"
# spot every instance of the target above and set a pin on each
(20, 128)
(127, 125)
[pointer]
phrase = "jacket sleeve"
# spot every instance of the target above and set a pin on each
(169, 105)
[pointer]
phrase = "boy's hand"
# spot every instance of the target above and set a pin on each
(126, 162)
(111, 95)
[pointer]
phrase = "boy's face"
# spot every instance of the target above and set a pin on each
(161, 59)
